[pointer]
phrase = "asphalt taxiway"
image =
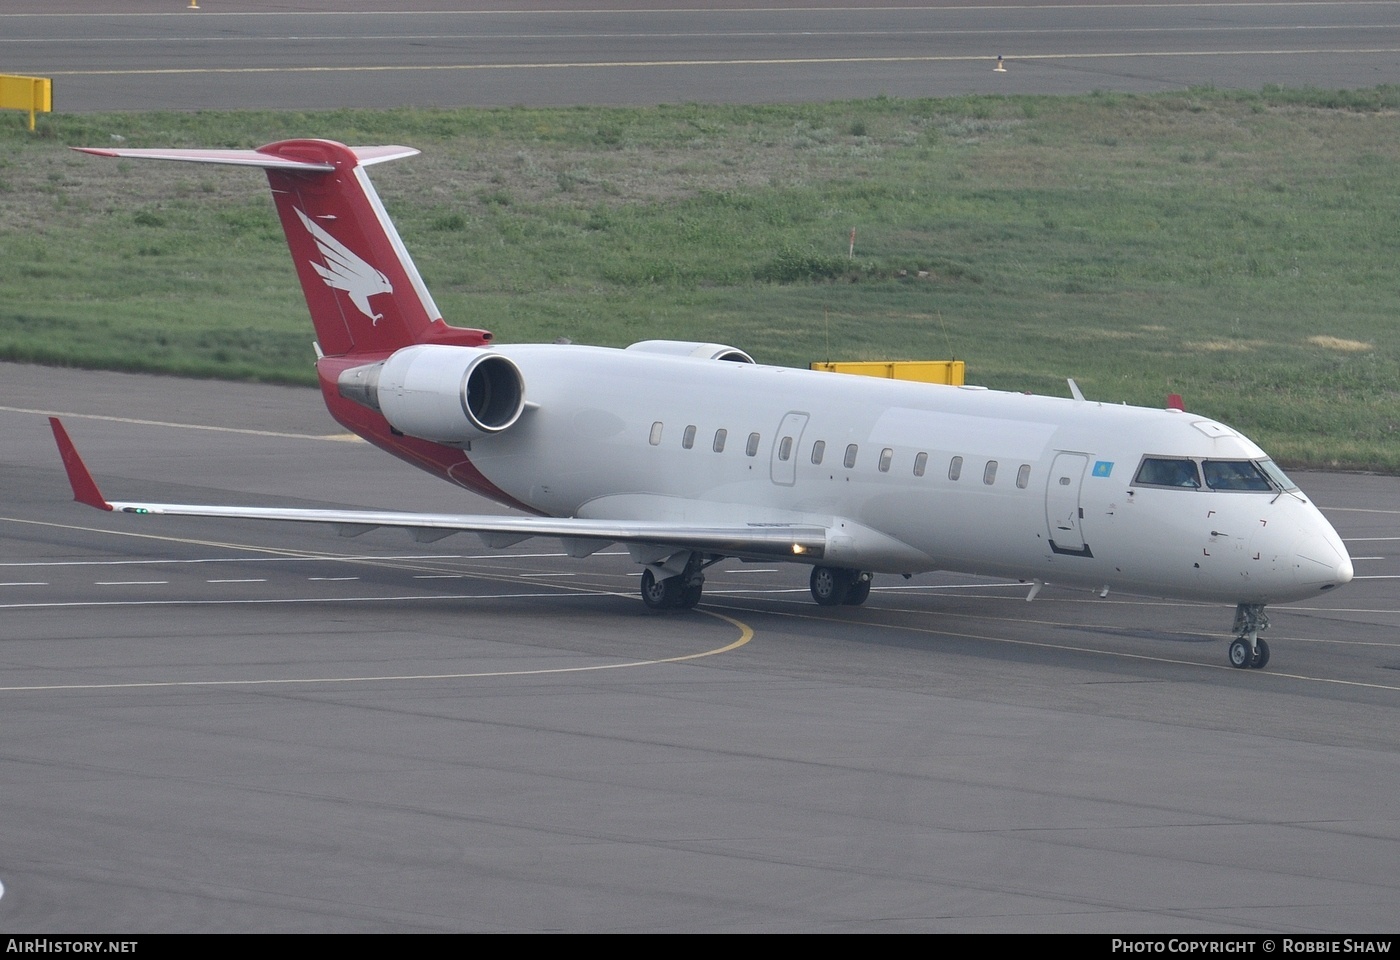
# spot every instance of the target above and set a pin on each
(239, 726)
(325, 54)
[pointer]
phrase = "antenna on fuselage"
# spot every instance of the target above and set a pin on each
(1074, 390)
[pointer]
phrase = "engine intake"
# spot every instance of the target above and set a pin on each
(441, 393)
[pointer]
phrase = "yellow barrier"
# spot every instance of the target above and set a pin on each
(34, 94)
(924, 371)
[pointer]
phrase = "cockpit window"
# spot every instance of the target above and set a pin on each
(1277, 475)
(1262, 476)
(1168, 472)
(1235, 475)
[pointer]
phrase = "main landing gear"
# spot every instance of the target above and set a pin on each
(1247, 650)
(679, 592)
(831, 586)
(838, 586)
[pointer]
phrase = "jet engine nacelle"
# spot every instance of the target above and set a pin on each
(441, 393)
(692, 348)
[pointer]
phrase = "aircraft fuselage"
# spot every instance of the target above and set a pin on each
(922, 476)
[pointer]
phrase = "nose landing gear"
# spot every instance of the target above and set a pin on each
(1247, 650)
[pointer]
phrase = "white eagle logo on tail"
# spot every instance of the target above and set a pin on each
(343, 270)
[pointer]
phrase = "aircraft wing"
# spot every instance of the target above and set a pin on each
(581, 537)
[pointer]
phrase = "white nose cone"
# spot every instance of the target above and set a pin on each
(1321, 562)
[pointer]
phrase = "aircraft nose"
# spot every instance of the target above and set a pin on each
(1321, 562)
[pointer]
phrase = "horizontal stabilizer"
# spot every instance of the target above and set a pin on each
(264, 158)
(365, 296)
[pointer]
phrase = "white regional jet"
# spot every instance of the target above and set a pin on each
(688, 453)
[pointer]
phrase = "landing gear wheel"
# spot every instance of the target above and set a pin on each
(1262, 657)
(1248, 650)
(859, 592)
(831, 585)
(679, 592)
(1240, 654)
(660, 594)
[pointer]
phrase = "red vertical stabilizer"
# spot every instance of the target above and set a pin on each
(365, 295)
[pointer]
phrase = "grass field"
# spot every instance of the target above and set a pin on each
(1238, 248)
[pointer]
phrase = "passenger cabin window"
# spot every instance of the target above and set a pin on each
(850, 455)
(886, 455)
(955, 468)
(1023, 476)
(818, 451)
(1234, 475)
(920, 464)
(751, 450)
(720, 435)
(656, 433)
(688, 438)
(989, 473)
(785, 449)
(1168, 472)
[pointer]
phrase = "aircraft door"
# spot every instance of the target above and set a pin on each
(783, 466)
(1064, 517)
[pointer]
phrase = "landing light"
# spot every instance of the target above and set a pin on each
(798, 549)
